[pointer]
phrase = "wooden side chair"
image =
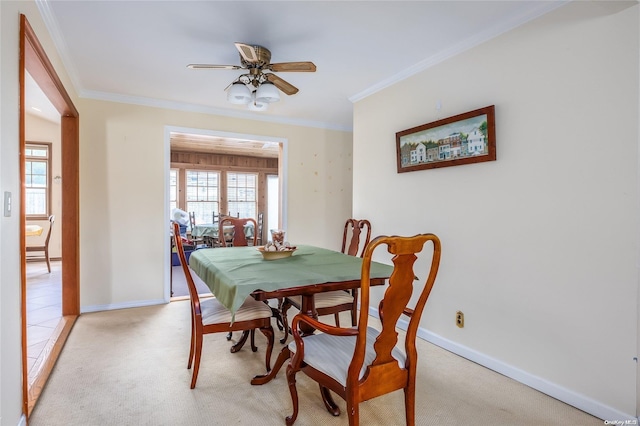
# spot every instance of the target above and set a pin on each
(358, 234)
(362, 363)
(210, 240)
(44, 247)
(196, 241)
(238, 237)
(210, 316)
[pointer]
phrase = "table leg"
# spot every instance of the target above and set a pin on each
(235, 348)
(307, 308)
(284, 355)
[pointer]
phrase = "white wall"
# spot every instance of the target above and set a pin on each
(122, 183)
(540, 248)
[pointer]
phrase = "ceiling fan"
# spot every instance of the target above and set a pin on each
(256, 88)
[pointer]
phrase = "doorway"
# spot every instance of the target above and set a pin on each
(190, 144)
(34, 60)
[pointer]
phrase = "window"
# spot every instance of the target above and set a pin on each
(203, 194)
(173, 189)
(242, 194)
(37, 180)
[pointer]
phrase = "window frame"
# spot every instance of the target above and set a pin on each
(49, 162)
(177, 199)
(186, 186)
(256, 177)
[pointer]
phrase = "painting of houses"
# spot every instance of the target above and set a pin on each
(461, 139)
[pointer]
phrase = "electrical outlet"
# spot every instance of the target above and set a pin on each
(460, 319)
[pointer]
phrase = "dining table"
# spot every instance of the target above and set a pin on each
(235, 273)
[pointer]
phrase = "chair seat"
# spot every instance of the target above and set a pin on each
(326, 299)
(213, 312)
(332, 354)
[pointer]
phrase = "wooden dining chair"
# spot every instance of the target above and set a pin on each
(210, 316)
(237, 238)
(362, 363)
(196, 241)
(44, 248)
(357, 233)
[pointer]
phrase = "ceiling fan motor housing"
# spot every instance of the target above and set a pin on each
(257, 57)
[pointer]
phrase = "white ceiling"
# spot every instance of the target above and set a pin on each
(137, 51)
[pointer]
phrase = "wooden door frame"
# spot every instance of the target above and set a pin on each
(34, 59)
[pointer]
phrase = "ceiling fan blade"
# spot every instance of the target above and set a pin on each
(213, 67)
(247, 52)
(286, 87)
(293, 66)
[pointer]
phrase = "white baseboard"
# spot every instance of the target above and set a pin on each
(114, 306)
(581, 402)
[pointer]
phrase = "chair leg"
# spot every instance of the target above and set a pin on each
(291, 380)
(229, 335)
(410, 402)
(331, 405)
(193, 342)
(284, 307)
(354, 308)
(196, 362)
(254, 348)
(269, 334)
(275, 313)
(46, 255)
(353, 412)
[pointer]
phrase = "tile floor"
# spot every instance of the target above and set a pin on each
(44, 306)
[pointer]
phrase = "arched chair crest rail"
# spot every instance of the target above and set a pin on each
(210, 316)
(355, 238)
(233, 234)
(361, 363)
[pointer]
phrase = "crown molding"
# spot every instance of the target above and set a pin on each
(503, 27)
(181, 106)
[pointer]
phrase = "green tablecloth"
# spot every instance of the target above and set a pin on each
(234, 273)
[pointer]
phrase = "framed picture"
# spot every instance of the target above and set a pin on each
(462, 139)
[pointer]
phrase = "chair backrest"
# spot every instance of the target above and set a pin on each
(52, 219)
(352, 230)
(193, 292)
(239, 237)
(384, 368)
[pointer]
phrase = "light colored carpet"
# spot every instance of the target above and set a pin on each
(128, 367)
(179, 283)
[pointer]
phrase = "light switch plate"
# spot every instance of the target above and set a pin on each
(7, 204)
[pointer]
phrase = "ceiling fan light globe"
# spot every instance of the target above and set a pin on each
(238, 94)
(256, 105)
(267, 92)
